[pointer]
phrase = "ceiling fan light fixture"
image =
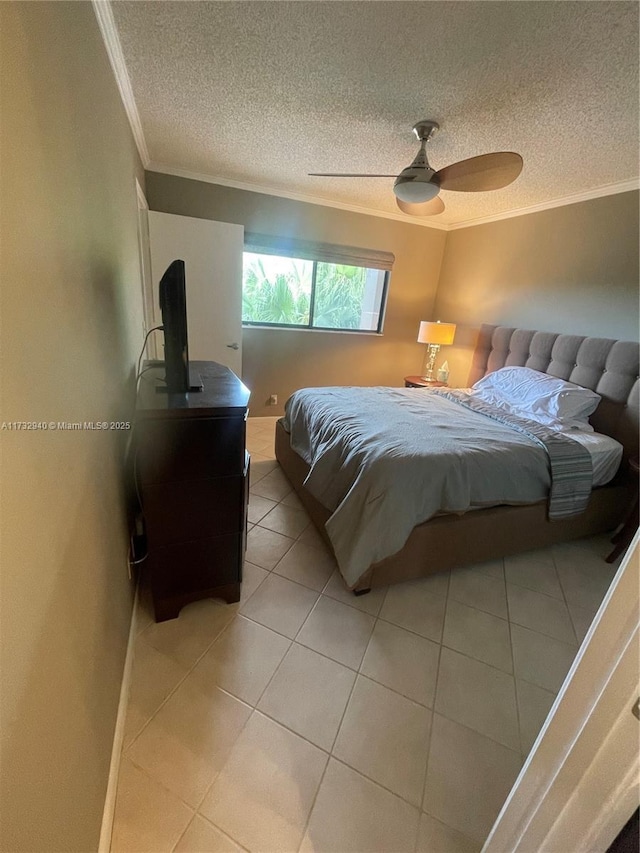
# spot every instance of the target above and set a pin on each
(415, 191)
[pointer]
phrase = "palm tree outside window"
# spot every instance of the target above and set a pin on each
(286, 291)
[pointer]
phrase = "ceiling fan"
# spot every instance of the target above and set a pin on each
(416, 188)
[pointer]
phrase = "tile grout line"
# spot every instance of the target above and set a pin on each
(329, 753)
(182, 680)
(433, 710)
(441, 645)
(356, 672)
(217, 776)
(359, 674)
(224, 764)
(127, 749)
(313, 803)
(275, 672)
(184, 832)
(212, 824)
(222, 832)
(510, 622)
(523, 756)
(564, 598)
(155, 781)
(292, 509)
(571, 643)
(243, 701)
(335, 738)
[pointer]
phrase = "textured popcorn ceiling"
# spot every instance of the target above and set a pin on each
(264, 92)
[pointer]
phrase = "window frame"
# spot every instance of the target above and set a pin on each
(263, 324)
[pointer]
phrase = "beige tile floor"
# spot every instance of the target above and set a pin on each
(306, 719)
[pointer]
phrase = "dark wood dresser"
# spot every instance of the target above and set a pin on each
(192, 471)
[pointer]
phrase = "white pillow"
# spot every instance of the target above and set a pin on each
(538, 396)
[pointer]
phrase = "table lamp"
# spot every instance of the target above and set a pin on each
(435, 335)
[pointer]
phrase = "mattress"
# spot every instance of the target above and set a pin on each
(605, 453)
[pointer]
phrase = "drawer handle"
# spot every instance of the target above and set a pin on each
(233, 346)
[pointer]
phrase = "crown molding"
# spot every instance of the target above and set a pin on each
(576, 198)
(111, 39)
(598, 192)
(294, 196)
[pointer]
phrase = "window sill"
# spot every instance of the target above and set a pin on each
(357, 332)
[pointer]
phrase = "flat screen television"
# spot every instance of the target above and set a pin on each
(173, 305)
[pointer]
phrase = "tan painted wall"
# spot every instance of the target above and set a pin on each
(571, 269)
(71, 331)
(280, 361)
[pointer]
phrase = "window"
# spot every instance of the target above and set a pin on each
(322, 289)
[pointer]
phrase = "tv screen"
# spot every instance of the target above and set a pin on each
(173, 305)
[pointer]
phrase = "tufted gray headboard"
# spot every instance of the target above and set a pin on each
(611, 368)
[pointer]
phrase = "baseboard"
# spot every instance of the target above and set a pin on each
(118, 736)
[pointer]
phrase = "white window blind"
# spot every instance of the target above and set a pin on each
(264, 244)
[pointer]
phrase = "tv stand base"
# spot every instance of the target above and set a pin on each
(195, 383)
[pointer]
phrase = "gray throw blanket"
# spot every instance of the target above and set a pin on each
(571, 466)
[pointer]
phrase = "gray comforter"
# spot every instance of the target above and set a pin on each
(383, 460)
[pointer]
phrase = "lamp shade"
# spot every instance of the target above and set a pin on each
(436, 333)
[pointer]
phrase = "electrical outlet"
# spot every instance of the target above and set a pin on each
(273, 400)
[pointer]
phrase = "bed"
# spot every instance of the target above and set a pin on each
(460, 536)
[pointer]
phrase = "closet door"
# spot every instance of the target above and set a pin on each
(212, 252)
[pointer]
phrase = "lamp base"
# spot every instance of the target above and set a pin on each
(432, 352)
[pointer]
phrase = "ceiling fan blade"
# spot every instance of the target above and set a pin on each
(479, 174)
(345, 175)
(426, 208)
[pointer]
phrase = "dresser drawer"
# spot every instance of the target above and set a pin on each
(168, 449)
(193, 509)
(201, 564)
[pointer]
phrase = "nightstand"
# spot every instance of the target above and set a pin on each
(623, 538)
(420, 382)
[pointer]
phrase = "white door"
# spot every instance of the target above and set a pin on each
(212, 253)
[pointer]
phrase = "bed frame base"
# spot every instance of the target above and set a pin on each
(451, 541)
